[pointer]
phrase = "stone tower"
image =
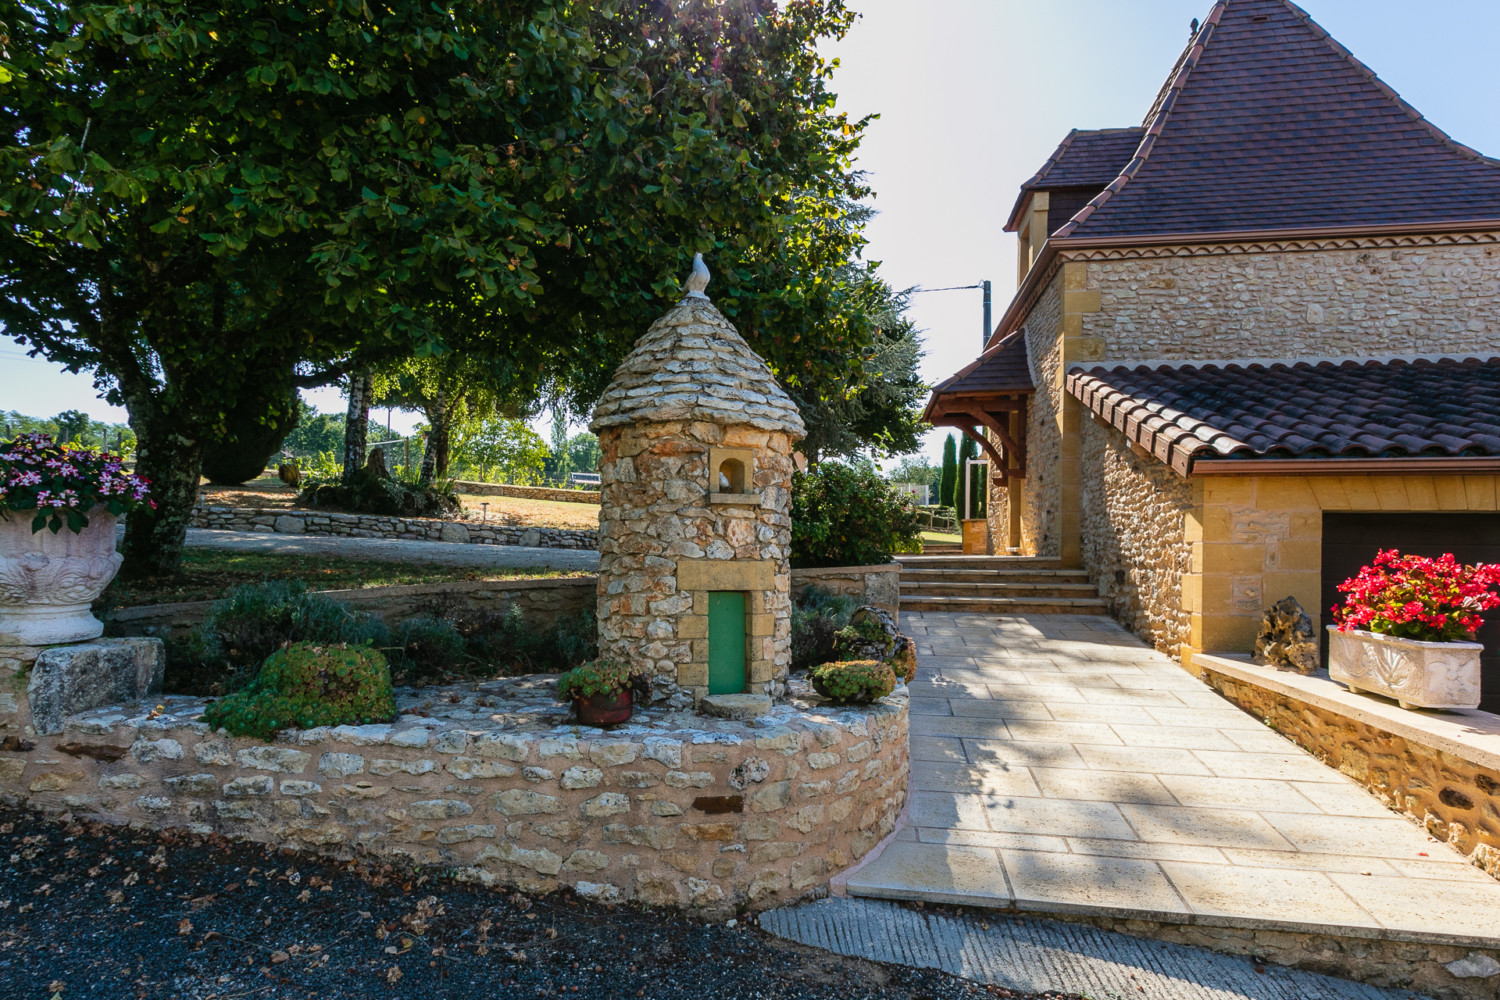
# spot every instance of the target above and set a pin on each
(695, 531)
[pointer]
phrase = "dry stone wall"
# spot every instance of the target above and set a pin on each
(875, 585)
(673, 810)
(307, 522)
(1322, 303)
(525, 492)
(1133, 511)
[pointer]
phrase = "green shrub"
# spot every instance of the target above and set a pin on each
(259, 618)
(307, 685)
(367, 492)
(508, 643)
(853, 682)
(847, 516)
(427, 648)
(597, 677)
(816, 619)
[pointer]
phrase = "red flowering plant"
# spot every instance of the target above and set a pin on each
(1416, 597)
(62, 482)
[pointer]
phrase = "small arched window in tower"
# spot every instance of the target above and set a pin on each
(731, 476)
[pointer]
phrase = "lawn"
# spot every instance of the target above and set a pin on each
(938, 536)
(270, 492)
(209, 574)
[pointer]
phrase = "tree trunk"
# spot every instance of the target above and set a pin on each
(154, 539)
(357, 422)
(435, 457)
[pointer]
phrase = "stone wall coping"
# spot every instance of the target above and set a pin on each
(359, 595)
(1470, 735)
(890, 567)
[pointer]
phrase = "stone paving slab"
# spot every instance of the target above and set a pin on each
(1060, 765)
(1038, 955)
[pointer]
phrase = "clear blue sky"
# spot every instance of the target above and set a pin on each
(974, 94)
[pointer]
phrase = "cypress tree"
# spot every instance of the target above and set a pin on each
(967, 449)
(948, 481)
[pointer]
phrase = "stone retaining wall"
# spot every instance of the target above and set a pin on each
(877, 585)
(525, 492)
(714, 816)
(312, 522)
(1455, 800)
(542, 600)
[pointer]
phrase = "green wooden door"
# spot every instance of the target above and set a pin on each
(726, 642)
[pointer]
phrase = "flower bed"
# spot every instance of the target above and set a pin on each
(495, 781)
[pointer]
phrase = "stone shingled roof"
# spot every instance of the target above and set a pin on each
(694, 365)
(1394, 408)
(1268, 123)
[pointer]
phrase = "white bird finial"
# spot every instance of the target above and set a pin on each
(698, 280)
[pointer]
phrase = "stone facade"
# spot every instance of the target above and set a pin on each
(1041, 499)
(1289, 303)
(309, 522)
(879, 586)
(695, 475)
(1134, 510)
(673, 810)
(542, 600)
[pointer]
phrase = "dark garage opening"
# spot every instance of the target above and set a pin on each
(1351, 541)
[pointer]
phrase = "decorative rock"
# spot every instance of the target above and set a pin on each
(876, 635)
(1287, 640)
(70, 679)
(735, 706)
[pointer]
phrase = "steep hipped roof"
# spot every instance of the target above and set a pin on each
(1085, 158)
(694, 365)
(1267, 123)
(1353, 409)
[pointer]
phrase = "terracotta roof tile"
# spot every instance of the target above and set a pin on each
(1326, 409)
(1267, 123)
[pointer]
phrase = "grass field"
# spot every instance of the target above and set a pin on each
(209, 574)
(938, 536)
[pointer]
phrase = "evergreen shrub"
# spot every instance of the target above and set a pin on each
(847, 516)
(307, 685)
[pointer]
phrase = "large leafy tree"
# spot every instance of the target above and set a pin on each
(206, 199)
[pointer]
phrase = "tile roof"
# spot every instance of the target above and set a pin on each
(1001, 369)
(1267, 123)
(1395, 408)
(1086, 158)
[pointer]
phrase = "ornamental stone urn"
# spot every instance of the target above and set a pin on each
(695, 480)
(1416, 674)
(48, 579)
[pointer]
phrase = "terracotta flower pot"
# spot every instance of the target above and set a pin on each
(48, 581)
(605, 709)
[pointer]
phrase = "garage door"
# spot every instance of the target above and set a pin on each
(1351, 541)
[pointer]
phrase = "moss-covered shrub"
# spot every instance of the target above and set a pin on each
(307, 685)
(816, 619)
(853, 682)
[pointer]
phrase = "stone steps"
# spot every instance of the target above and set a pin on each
(1008, 605)
(996, 584)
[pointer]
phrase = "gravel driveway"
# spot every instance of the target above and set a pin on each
(93, 911)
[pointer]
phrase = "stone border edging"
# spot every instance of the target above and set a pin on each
(305, 521)
(525, 492)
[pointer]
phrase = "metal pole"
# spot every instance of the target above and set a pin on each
(986, 338)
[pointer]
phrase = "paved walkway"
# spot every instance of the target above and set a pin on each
(1036, 955)
(1059, 765)
(396, 550)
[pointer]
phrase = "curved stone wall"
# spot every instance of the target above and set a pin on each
(677, 810)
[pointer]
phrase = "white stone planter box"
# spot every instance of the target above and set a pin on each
(1416, 674)
(48, 581)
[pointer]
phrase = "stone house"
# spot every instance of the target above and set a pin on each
(1254, 339)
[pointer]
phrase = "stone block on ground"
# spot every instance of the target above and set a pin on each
(69, 679)
(736, 706)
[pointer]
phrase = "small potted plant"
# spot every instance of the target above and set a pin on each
(1406, 629)
(602, 691)
(853, 682)
(49, 576)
